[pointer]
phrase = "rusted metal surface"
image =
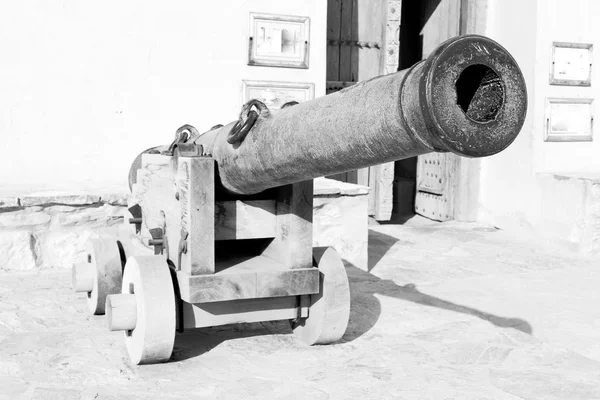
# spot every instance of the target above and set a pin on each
(468, 97)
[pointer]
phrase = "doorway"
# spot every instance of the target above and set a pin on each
(367, 38)
(362, 43)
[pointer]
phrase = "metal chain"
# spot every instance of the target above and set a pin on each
(182, 135)
(246, 121)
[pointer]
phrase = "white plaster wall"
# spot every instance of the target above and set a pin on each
(519, 189)
(86, 85)
(508, 194)
(572, 209)
(565, 21)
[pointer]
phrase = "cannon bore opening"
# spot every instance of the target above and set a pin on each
(479, 92)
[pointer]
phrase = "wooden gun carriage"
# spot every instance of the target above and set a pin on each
(219, 225)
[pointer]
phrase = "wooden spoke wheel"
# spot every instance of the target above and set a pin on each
(145, 310)
(329, 310)
(100, 274)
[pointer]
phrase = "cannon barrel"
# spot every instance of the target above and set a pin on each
(468, 97)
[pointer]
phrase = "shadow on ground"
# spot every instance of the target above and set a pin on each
(364, 313)
(366, 308)
(196, 342)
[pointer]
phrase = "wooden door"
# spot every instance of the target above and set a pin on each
(437, 172)
(362, 42)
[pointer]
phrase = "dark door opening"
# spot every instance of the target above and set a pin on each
(411, 49)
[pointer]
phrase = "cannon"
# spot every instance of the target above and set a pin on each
(219, 224)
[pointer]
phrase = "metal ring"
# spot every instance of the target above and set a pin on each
(247, 118)
(289, 104)
(240, 130)
(259, 105)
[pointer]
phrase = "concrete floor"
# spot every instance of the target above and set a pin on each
(447, 311)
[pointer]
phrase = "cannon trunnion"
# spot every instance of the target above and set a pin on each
(219, 225)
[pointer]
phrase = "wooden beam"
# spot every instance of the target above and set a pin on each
(334, 21)
(292, 246)
(154, 192)
(232, 219)
(380, 177)
(383, 184)
(468, 176)
(369, 26)
(197, 199)
(247, 278)
(245, 219)
(346, 32)
(473, 16)
(232, 312)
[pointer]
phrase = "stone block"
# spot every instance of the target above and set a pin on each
(23, 219)
(590, 240)
(90, 216)
(9, 202)
(58, 198)
(60, 248)
(573, 202)
(115, 199)
(332, 187)
(59, 209)
(16, 250)
(341, 220)
(51, 230)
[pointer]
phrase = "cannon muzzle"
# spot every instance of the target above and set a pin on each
(468, 97)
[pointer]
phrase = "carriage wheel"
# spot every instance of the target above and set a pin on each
(145, 310)
(329, 310)
(100, 274)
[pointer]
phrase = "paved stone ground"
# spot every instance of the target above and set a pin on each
(448, 311)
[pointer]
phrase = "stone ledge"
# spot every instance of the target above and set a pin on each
(67, 199)
(583, 176)
(573, 202)
(332, 187)
(9, 202)
(23, 219)
(340, 217)
(49, 229)
(17, 250)
(114, 199)
(323, 187)
(51, 199)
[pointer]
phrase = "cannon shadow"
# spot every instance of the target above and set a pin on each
(365, 310)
